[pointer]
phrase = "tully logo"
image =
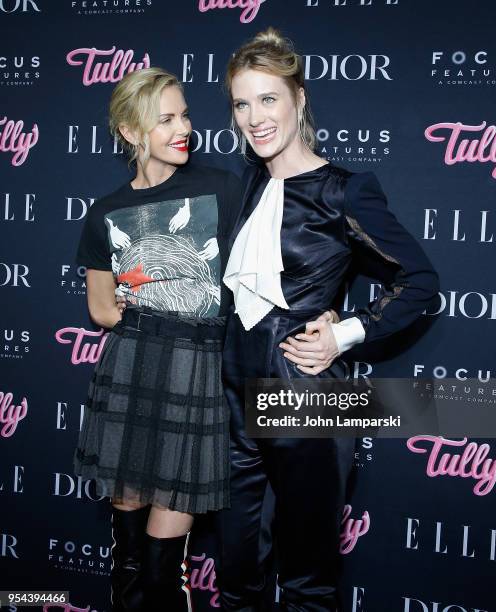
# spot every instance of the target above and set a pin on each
(352, 529)
(10, 414)
(82, 352)
(249, 8)
(471, 463)
(482, 149)
(119, 63)
(14, 139)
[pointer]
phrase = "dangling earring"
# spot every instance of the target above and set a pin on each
(301, 126)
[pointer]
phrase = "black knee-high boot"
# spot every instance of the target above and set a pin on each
(128, 531)
(164, 575)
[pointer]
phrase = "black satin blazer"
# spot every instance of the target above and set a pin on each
(331, 214)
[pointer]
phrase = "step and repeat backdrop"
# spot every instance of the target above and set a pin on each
(404, 88)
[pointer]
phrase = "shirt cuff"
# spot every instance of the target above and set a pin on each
(348, 333)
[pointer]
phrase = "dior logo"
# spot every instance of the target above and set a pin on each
(77, 208)
(351, 67)
(13, 275)
(23, 6)
(417, 605)
(471, 305)
(8, 545)
(66, 485)
(224, 142)
(22, 205)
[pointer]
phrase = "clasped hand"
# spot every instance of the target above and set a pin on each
(316, 349)
(312, 351)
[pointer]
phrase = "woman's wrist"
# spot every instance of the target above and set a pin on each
(347, 333)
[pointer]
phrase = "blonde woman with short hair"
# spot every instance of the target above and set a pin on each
(155, 431)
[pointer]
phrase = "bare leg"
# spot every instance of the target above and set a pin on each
(164, 523)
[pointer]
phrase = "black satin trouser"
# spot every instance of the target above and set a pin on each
(308, 478)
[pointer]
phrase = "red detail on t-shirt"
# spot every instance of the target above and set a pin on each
(134, 278)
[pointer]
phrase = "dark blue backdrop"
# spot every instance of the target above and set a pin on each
(379, 74)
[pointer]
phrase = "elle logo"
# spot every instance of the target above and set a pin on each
(249, 8)
(120, 63)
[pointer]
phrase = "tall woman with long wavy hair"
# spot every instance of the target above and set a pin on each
(302, 221)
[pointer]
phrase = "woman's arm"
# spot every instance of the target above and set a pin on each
(388, 252)
(100, 287)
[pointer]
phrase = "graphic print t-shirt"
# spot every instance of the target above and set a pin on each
(166, 245)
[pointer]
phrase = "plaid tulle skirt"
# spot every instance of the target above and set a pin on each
(156, 424)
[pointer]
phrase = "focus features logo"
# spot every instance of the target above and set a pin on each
(14, 343)
(361, 145)
(362, 452)
(462, 69)
(73, 279)
(79, 557)
(18, 70)
(110, 7)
